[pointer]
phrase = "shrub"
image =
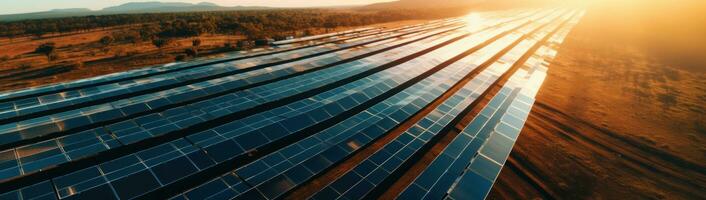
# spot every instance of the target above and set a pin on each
(196, 42)
(228, 46)
(130, 36)
(107, 40)
(46, 48)
(193, 52)
(180, 57)
(53, 57)
(160, 42)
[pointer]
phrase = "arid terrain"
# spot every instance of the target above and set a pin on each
(622, 113)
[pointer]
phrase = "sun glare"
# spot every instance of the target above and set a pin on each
(473, 21)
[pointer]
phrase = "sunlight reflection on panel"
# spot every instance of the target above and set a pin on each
(473, 21)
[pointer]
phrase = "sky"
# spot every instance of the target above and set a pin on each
(25, 6)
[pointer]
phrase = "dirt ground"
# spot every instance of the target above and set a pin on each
(622, 113)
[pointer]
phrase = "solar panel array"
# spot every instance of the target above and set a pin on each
(336, 116)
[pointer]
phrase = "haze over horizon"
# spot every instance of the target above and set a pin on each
(18, 7)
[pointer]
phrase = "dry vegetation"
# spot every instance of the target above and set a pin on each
(622, 113)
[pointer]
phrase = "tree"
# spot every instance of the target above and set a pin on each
(48, 49)
(107, 40)
(131, 36)
(207, 26)
(180, 57)
(148, 32)
(160, 42)
(330, 26)
(196, 42)
(228, 45)
(193, 52)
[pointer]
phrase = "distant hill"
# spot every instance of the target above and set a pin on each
(422, 4)
(56, 13)
(411, 4)
(133, 7)
(71, 10)
(162, 7)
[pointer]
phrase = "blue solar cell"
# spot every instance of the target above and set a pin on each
(274, 131)
(224, 150)
(135, 184)
(326, 194)
(200, 159)
(173, 170)
(103, 192)
(251, 140)
(105, 115)
(298, 174)
(276, 186)
(473, 186)
(79, 182)
(42, 190)
(75, 122)
(207, 190)
(412, 192)
(8, 114)
(251, 195)
(9, 165)
(316, 164)
(39, 130)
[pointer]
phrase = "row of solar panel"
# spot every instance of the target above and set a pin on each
(315, 37)
(124, 162)
(387, 160)
(471, 151)
(131, 131)
(474, 182)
